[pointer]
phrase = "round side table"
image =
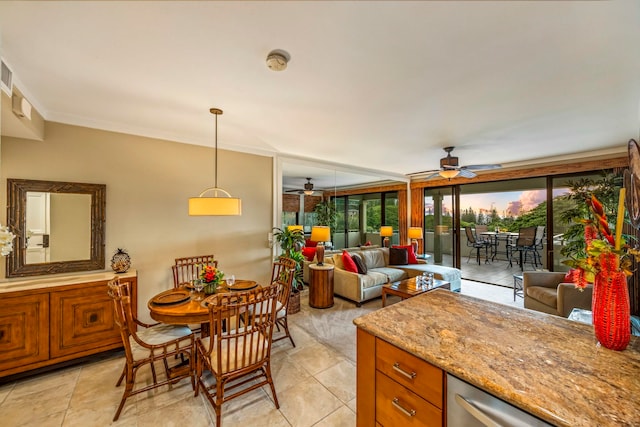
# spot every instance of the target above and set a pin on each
(321, 285)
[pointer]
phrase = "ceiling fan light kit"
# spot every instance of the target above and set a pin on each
(450, 168)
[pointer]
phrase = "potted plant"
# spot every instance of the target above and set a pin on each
(291, 243)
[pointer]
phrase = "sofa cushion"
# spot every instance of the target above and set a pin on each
(398, 256)
(309, 253)
(373, 258)
(547, 296)
(372, 279)
(362, 267)
(390, 274)
(337, 260)
(310, 243)
(411, 254)
(348, 263)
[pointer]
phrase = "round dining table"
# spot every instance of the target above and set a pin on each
(180, 306)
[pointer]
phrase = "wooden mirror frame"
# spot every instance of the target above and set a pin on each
(16, 221)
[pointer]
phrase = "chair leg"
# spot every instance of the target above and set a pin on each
(267, 372)
(285, 325)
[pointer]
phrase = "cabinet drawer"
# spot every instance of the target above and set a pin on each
(417, 375)
(398, 406)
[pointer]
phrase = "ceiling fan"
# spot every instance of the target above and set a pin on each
(308, 189)
(450, 168)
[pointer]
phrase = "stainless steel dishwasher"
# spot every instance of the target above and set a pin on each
(468, 406)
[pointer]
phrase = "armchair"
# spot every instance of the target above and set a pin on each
(545, 291)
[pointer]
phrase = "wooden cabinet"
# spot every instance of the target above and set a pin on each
(395, 388)
(56, 321)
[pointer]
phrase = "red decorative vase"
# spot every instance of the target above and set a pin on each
(611, 311)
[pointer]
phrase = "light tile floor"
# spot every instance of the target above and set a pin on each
(315, 382)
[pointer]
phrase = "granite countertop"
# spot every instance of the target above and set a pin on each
(546, 365)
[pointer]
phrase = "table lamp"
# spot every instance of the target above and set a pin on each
(414, 234)
(386, 231)
(320, 234)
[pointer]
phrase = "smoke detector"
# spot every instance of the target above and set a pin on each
(277, 60)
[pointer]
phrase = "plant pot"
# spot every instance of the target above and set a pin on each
(294, 303)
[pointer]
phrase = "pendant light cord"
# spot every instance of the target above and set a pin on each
(216, 112)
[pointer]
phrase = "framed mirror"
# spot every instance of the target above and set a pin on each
(59, 227)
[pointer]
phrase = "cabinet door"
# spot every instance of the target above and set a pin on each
(24, 330)
(82, 321)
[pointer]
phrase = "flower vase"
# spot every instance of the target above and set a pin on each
(210, 287)
(611, 310)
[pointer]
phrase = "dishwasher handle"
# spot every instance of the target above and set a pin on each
(476, 412)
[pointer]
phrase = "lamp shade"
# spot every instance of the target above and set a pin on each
(415, 233)
(215, 206)
(320, 233)
(386, 231)
(294, 228)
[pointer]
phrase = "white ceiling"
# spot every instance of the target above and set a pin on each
(382, 85)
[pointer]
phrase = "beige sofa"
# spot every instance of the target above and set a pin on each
(545, 291)
(363, 287)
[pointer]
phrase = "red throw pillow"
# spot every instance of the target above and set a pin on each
(310, 243)
(309, 253)
(348, 262)
(411, 255)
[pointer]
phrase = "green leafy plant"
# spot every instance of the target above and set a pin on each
(326, 214)
(605, 189)
(291, 243)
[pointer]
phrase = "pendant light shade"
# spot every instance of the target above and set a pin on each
(220, 202)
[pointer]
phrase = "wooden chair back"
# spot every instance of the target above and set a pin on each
(242, 324)
(189, 268)
(282, 273)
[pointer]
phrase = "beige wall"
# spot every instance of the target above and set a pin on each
(148, 183)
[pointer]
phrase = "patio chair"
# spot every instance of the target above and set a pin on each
(525, 242)
(238, 351)
(473, 243)
(154, 343)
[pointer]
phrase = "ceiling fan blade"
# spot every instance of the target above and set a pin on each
(483, 167)
(424, 172)
(466, 173)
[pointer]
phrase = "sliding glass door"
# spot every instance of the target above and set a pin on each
(439, 226)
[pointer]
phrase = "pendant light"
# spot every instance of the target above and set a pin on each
(221, 202)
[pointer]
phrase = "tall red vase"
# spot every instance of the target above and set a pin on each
(611, 311)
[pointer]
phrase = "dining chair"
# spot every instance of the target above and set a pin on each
(282, 274)
(477, 245)
(238, 351)
(154, 343)
(188, 268)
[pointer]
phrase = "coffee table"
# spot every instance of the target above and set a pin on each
(407, 288)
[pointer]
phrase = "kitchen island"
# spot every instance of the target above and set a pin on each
(546, 365)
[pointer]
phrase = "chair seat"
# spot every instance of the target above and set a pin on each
(281, 311)
(253, 352)
(157, 335)
(547, 296)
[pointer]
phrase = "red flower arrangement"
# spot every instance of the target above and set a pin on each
(607, 265)
(211, 278)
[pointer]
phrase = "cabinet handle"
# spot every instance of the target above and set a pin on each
(397, 368)
(407, 412)
(476, 412)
